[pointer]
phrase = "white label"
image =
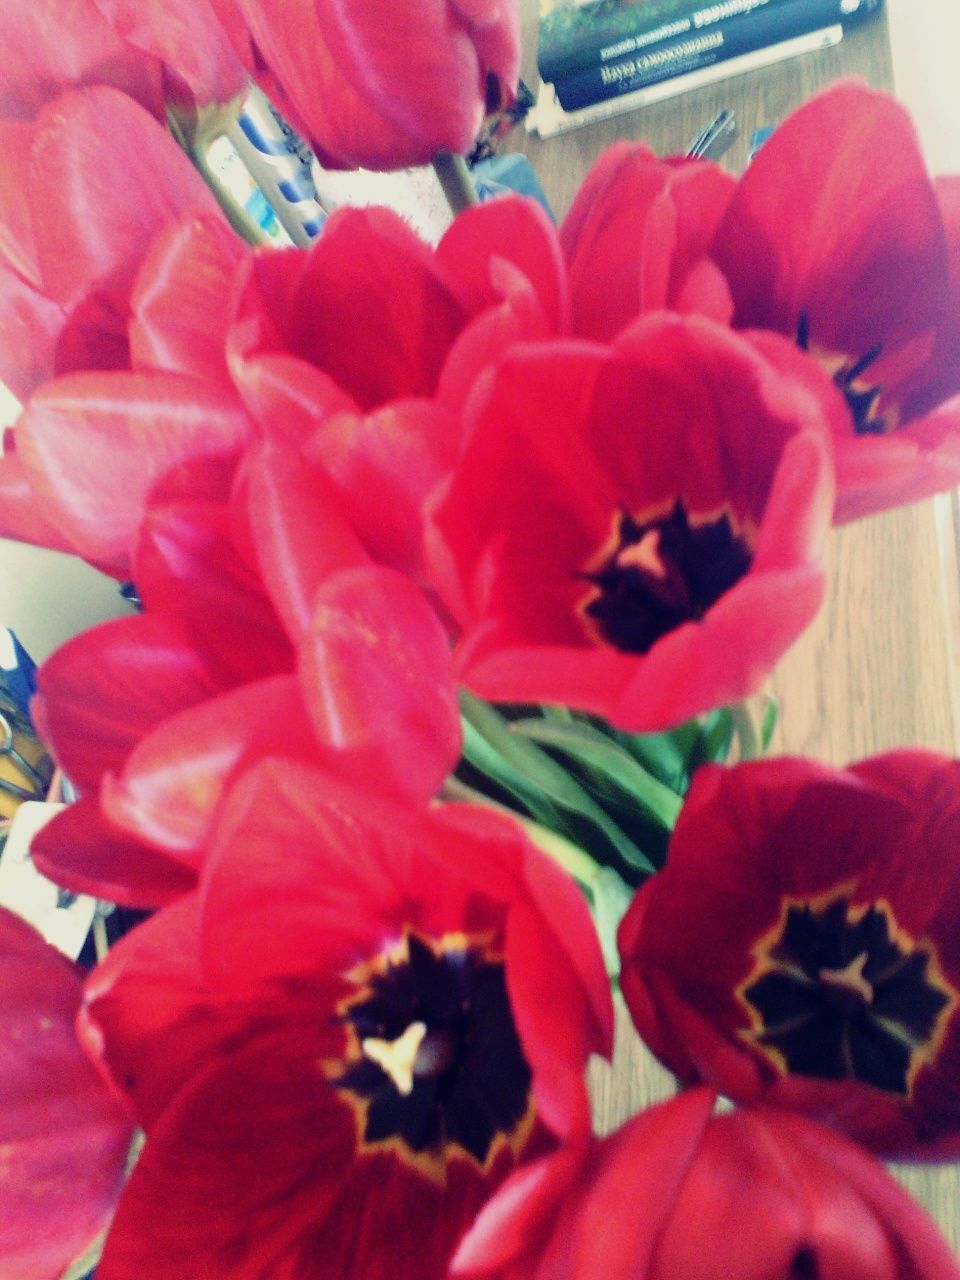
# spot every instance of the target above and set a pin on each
(62, 917)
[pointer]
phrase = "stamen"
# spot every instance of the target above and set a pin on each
(863, 363)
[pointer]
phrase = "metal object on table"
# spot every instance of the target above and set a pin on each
(714, 138)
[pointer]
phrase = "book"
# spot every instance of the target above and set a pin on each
(582, 33)
(548, 118)
(743, 33)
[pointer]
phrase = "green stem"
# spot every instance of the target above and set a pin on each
(454, 178)
(747, 735)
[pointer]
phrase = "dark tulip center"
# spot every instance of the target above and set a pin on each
(804, 1265)
(653, 575)
(840, 992)
(435, 1066)
(860, 392)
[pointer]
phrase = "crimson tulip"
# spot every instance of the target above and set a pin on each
(152, 50)
(383, 86)
(679, 1195)
(153, 716)
(360, 352)
(103, 284)
(802, 945)
(64, 1137)
(75, 236)
(637, 238)
(635, 530)
(363, 1021)
(854, 264)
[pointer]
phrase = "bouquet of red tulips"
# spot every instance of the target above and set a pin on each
(456, 564)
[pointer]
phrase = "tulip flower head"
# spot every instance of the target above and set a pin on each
(622, 535)
(352, 1041)
(817, 963)
(665, 1198)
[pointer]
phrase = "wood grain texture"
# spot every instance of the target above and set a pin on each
(879, 667)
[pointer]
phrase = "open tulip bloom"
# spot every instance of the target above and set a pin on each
(369, 1018)
(817, 965)
(368, 489)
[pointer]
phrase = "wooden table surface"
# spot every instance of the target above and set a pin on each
(879, 667)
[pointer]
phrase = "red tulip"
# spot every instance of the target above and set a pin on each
(803, 945)
(677, 1195)
(637, 239)
(75, 233)
(382, 85)
(64, 1138)
(157, 714)
(361, 351)
(152, 50)
(365, 1020)
(635, 530)
(103, 276)
(836, 237)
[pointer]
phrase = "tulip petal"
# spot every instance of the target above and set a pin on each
(187, 569)
(862, 219)
(62, 1133)
(187, 37)
(19, 517)
(90, 227)
(29, 327)
(171, 784)
(299, 532)
(181, 302)
(373, 308)
(236, 1201)
(17, 248)
(383, 466)
(82, 852)
(103, 690)
(518, 230)
(375, 666)
(51, 45)
(149, 1018)
(95, 445)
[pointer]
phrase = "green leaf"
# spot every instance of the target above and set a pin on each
(586, 745)
(491, 764)
(664, 755)
(539, 773)
(769, 722)
(716, 738)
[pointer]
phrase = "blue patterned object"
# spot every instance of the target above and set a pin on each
(511, 172)
(17, 671)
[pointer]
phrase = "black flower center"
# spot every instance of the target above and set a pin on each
(651, 576)
(861, 394)
(434, 1064)
(839, 992)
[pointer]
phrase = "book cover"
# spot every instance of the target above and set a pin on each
(548, 119)
(715, 42)
(581, 33)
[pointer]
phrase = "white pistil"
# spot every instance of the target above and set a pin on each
(398, 1057)
(850, 978)
(643, 555)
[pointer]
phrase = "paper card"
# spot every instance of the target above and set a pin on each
(62, 917)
